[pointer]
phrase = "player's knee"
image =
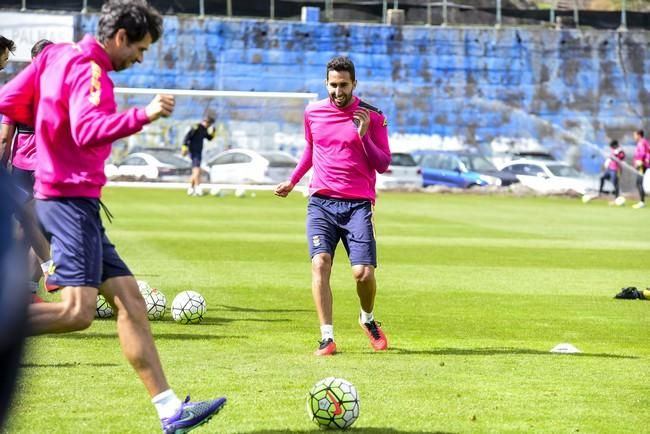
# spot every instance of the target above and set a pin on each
(363, 274)
(79, 316)
(133, 306)
(321, 263)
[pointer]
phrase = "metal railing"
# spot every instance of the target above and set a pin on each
(555, 13)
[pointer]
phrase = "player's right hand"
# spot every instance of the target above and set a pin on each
(284, 188)
(160, 106)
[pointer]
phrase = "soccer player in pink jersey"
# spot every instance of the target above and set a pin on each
(347, 144)
(641, 164)
(613, 168)
(19, 145)
(67, 95)
(6, 46)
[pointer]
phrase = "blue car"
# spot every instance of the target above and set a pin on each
(460, 170)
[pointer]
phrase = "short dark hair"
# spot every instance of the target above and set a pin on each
(7, 44)
(38, 47)
(613, 144)
(340, 63)
(137, 17)
(640, 133)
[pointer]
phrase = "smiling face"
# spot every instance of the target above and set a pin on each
(340, 87)
(123, 53)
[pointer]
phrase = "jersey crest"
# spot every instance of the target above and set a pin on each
(95, 84)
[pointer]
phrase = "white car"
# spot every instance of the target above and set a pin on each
(550, 176)
(403, 172)
(150, 166)
(245, 166)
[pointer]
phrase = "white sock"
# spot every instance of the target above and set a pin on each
(327, 331)
(166, 403)
(367, 317)
(45, 266)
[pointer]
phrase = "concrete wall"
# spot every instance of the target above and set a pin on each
(474, 85)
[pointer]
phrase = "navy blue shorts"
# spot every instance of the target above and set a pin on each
(349, 220)
(24, 179)
(196, 160)
(81, 251)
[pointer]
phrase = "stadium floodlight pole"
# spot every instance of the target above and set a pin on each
(428, 13)
(623, 26)
(84, 7)
(202, 8)
(329, 12)
(551, 15)
(24, 6)
(576, 15)
(444, 13)
(229, 8)
(272, 9)
(498, 24)
(384, 11)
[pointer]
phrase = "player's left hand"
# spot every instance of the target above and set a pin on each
(362, 118)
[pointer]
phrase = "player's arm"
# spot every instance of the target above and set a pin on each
(16, 97)
(93, 117)
(305, 163)
(374, 136)
(6, 140)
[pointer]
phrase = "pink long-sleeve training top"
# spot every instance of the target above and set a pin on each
(23, 146)
(642, 152)
(67, 96)
(345, 164)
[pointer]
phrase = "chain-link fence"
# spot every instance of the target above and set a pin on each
(610, 14)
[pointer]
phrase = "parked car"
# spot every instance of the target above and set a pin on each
(500, 159)
(157, 165)
(403, 172)
(245, 166)
(550, 176)
(460, 169)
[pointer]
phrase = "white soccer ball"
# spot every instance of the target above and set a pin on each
(240, 192)
(103, 308)
(619, 201)
(216, 192)
(333, 403)
(586, 198)
(188, 307)
(156, 304)
(144, 287)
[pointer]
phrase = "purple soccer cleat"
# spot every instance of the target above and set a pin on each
(191, 415)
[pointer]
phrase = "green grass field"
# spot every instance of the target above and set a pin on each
(473, 293)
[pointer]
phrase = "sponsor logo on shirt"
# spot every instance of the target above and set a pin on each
(95, 84)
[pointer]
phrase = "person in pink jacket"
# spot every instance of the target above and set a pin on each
(641, 164)
(19, 149)
(347, 144)
(67, 96)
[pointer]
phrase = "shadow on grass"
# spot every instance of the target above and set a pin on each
(352, 430)
(251, 309)
(157, 336)
(68, 365)
(499, 351)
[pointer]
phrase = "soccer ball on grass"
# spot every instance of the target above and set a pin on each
(103, 308)
(188, 307)
(333, 403)
(156, 304)
(144, 287)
